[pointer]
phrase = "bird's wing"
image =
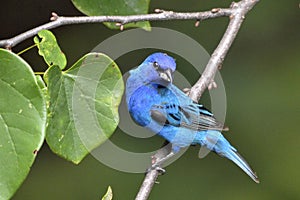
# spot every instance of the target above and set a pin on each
(193, 116)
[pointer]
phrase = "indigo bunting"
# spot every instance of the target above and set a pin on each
(155, 103)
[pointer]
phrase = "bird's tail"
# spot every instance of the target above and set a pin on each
(235, 157)
(215, 141)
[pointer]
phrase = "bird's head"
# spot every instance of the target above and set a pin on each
(159, 68)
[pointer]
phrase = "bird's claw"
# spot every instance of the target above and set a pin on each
(187, 91)
(159, 169)
(212, 85)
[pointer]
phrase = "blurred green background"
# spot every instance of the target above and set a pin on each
(261, 74)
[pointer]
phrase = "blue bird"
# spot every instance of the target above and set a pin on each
(155, 103)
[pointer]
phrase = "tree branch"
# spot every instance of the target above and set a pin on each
(147, 185)
(160, 15)
(237, 15)
(239, 10)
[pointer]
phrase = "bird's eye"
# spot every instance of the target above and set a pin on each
(155, 65)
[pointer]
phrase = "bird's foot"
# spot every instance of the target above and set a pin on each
(156, 167)
(158, 162)
(187, 91)
(212, 85)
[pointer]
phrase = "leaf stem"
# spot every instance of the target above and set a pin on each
(27, 49)
(39, 73)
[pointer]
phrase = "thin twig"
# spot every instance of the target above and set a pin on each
(160, 15)
(239, 10)
(237, 14)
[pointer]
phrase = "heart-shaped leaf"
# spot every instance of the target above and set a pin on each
(22, 121)
(49, 49)
(84, 104)
(116, 7)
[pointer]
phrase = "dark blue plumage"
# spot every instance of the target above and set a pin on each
(155, 103)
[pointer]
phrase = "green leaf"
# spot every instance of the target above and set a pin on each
(108, 195)
(116, 7)
(84, 104)
(22, 121)
(49, 49)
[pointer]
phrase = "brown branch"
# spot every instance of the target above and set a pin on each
(147, 185)
(160, 15)
(239, 10)
(152, 175)
(237, 14)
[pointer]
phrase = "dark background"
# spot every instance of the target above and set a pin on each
(261, 76)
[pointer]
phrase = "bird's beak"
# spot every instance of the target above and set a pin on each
(166, 76)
